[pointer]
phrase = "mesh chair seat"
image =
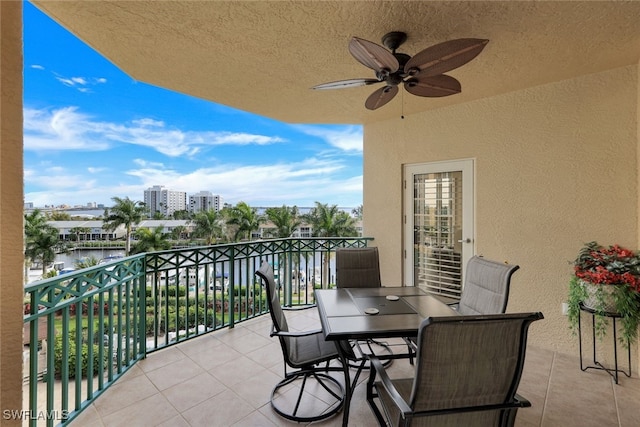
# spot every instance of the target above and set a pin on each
(309, 349)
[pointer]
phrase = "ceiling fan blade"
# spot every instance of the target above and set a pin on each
(373, 55)
(444, 56)
(380, 97)
(432, 86)
(341, 84)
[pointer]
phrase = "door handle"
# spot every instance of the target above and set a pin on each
(467, 240)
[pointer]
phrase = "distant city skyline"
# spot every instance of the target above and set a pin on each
(92, 133)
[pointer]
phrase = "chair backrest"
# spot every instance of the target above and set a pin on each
(357, 268)
(468, 361)
(273, 299)
(486, 287)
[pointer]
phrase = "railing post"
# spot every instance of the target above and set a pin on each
(288, 273)
(142, 288)
(232, 287)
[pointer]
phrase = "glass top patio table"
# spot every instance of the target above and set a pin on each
(343, 312)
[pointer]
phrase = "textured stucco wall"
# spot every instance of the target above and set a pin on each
(556, 166)
(11, 197)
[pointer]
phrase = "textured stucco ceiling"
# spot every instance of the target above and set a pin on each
(264, 56)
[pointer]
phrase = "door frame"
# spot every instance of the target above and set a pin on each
(467, 167)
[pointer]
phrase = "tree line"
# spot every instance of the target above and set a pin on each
(230, 224)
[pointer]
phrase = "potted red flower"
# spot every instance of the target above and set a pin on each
(606, 280)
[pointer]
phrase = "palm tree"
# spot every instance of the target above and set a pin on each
(43, 245)
(77, 231)
(357, 212)
(150, 240)
(329, 221)
(286, 219)
(34, 222)
(209, 225)
(86, 262)
(125, 212)
(245, 218)
(41, 240)
(178, 231)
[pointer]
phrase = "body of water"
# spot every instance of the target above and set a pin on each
(71, 257)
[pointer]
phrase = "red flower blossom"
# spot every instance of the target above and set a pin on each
(614, 265)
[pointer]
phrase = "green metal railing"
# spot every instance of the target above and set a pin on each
(85, 329)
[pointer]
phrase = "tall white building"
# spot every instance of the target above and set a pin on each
(204, 201)
(160, 199)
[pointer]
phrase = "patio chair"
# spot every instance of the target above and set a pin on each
(468, 369)
(305, 352)
(486, 287)
(360, 268)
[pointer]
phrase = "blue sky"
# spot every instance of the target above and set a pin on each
(91, 132)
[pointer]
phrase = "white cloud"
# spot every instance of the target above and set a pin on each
(37, 67)
(299, 183)
(221, 138)
(348, 138)
(68, 129)
(80, 83)
(96, 170)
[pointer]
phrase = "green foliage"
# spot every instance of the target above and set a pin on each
(285, 218)
(208, 225)
(86, 262)
(124, 212)
(627, 303)
(150, 240)
(72, 356)
(245, 219)
(329, 221)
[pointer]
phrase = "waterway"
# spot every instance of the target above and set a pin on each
(71, 257)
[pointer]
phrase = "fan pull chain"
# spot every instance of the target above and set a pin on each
(402, 105)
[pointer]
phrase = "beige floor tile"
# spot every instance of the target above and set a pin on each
(193, 391)
(89, 417)
(160, 358)
(124, 394)
(247, 342)
(177, 421)
(255, 419)
(268, 355)
(257, 389)
(221, 410)
(236, 371)
(206, 343)
(151, 411)
(174, 373)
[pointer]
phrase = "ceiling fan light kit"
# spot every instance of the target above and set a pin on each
(421, 75)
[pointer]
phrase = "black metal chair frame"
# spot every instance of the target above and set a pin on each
(310, 369)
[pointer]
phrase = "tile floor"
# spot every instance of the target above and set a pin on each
(225, 379)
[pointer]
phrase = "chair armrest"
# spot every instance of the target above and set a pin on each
(294, 334)
(299, 307)
(388, 385)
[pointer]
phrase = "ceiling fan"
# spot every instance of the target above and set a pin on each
(421, 75)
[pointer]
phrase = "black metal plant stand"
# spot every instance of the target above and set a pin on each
(596, 364)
